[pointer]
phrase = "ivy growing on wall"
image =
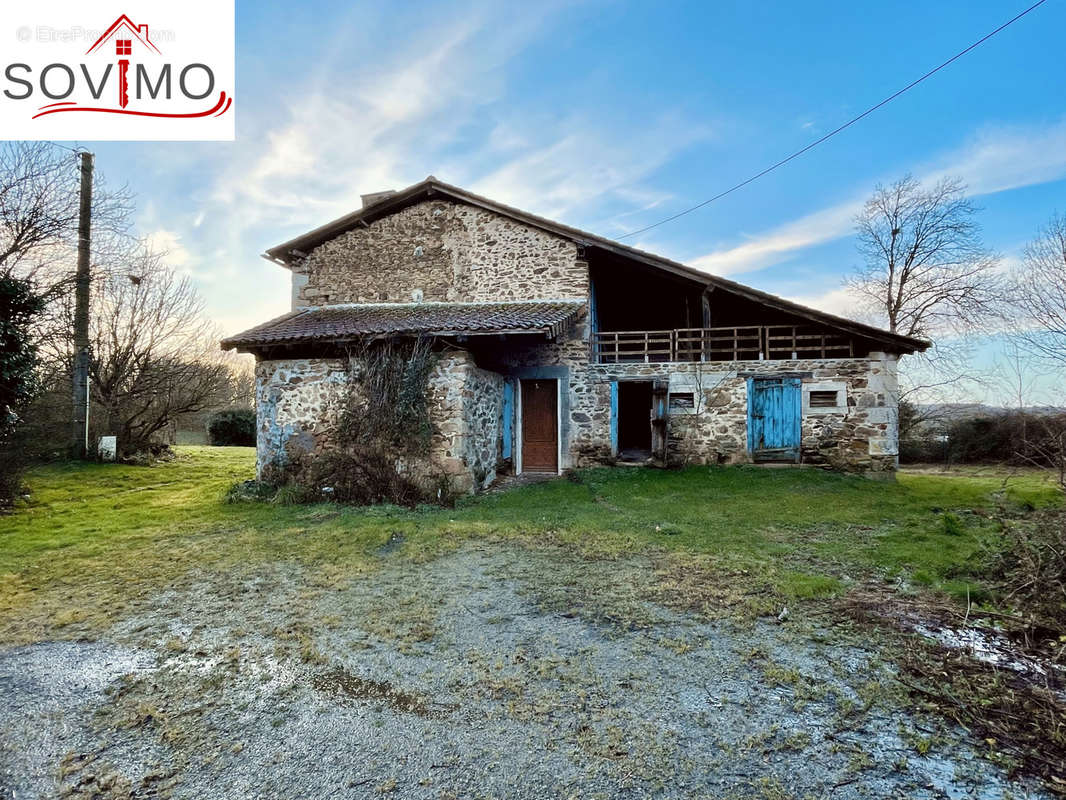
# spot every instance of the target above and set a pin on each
(384, 418)
(388, 403)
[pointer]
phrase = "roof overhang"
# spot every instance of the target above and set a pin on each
(290, 253)
(356, 322)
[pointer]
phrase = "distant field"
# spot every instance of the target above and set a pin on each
(192, 437)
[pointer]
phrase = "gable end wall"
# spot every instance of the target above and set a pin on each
(441, 251)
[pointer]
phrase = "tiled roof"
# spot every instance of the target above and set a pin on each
(296, 250)
(352, 321)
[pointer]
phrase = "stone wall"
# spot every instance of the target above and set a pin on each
(466, 406)
(440, 250)
(858, 435)
(299, 400)
(483, 419)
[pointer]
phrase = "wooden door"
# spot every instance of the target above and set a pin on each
(774, 419)
(540, 440)
(660, 393)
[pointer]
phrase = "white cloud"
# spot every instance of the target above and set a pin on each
(996, 160)
(776, 244)
(428, 102)
(380, 125)
(834, 301)
(586, 165)
(1000, 159)
(169, 242)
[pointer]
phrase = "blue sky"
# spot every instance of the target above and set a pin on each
(610, 116)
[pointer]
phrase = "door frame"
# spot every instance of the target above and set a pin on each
(616, 412)
(798, 457)
(519, 441)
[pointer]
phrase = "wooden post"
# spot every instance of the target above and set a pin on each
(79, 434)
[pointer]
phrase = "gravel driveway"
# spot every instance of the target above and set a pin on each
(495, 671)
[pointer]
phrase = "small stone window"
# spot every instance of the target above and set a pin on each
(824, 399)
(682, 401)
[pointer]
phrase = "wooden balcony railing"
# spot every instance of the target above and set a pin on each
(745, 343)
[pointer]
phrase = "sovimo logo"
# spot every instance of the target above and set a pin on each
(130, 80)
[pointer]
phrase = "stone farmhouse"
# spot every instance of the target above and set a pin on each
(558, 348)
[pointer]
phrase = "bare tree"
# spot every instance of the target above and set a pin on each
(39, 216)
(240, 391)
(926, 271)
(154, 355)
(927, 274)
(1038, 292)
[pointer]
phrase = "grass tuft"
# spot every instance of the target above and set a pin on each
(97, 537)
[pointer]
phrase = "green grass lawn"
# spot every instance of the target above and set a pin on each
(95, 536)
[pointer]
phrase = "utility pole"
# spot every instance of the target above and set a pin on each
(79, 439)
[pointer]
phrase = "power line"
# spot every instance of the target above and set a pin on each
(846, 125)
(75, 151)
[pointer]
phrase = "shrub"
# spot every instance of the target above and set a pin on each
(930, 449)
(379, 449)
(951, 524)
(234, 428)
(293, 494)
(388, 407)
(19, 306)
(250, 492)
(1019, 438)
(1031, 566)
(384, 420)
(367, 475)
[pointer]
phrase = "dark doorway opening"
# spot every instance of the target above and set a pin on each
(634, 420)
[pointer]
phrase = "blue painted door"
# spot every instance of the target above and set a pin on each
(774, 419)
(508, 421)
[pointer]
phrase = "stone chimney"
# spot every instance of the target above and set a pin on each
(376, 197)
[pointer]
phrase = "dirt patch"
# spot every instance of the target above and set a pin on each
(494, 671)
(345, 687)
(996, 674)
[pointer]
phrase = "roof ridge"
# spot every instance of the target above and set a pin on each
(432, 187)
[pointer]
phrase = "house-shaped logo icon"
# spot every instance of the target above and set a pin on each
(125, 33)
(123, 26)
